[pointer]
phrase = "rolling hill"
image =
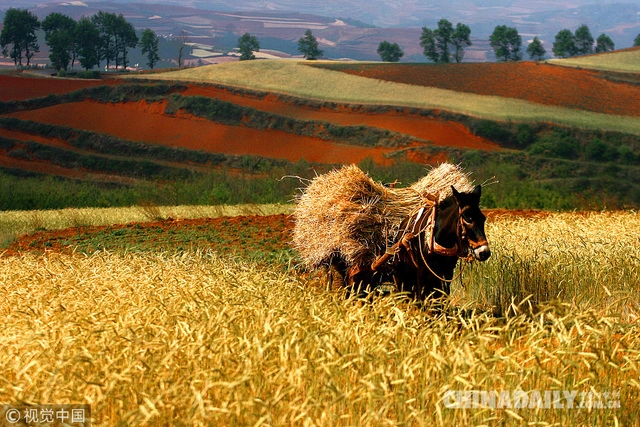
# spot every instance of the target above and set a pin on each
(563, 133)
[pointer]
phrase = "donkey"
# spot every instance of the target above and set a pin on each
(427, 248)
(424, 265)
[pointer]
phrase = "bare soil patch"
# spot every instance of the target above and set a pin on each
(16, 87)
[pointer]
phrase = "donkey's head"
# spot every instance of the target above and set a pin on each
(471, 223)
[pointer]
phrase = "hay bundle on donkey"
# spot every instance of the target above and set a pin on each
(346, 215)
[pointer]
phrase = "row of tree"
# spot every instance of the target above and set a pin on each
(108, 37)
(447, 43)
(103, 37)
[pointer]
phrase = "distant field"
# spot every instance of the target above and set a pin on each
(298, 79)
(626, 61)
(216, 141)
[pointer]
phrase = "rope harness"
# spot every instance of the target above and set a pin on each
(421, 225)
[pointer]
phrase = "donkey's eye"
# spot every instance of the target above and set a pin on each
(467, 218)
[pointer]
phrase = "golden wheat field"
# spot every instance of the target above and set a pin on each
(625, 61)
(194, 338)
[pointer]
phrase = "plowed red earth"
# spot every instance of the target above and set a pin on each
(530, 81)
(240, 234)
(16, 87)
(438, 132)
(139, 121)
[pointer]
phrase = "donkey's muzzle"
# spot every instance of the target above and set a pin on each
(481, 253)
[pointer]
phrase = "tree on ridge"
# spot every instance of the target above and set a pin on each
(390, 52)
(19, 33)
(506, 43)
(308, 46)
(247, 44)
(445, 42)
(149, 44)
(535, 49)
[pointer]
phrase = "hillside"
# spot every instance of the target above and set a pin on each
(555, 137)
(395, 84)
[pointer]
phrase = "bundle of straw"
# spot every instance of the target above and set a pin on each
(346, 213)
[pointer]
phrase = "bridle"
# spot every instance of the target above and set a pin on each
(463, 239)
(421, 225)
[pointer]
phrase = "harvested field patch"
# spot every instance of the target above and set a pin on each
(228, 234)
(254, 237)
(623, 60)
(298, 79)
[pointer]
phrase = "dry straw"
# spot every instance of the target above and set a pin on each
(346, 212)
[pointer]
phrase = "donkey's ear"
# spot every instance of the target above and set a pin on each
(456, 193)
(478, 190)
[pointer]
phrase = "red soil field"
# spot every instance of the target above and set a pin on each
(145, 122)
(529, 81)
(275, 229)
(15, 87)
(439, 132)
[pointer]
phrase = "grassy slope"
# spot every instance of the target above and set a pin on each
(294, 78)
(626, 61)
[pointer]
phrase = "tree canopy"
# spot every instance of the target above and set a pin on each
(445, 42)
(247, 44)
(18, 37)
(460, 40)
(604, 44)
(535, 49)
(116, 37)
(581, 43)
(149, 44)
(583, 40)
(88, 39)
(308, 46)
(506, 43)
(390, 52)
(59, 33)
(565, 44)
